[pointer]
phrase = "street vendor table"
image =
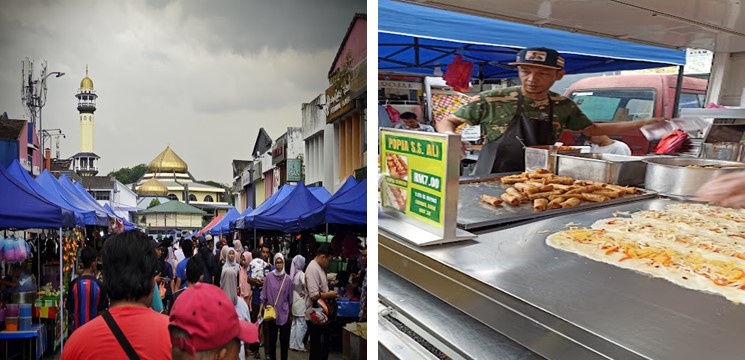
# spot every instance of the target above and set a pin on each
(36, 339)
(560, 305)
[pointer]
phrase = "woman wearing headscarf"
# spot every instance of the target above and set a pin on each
(223, 254)
(238, 246)
(277, 292)
(230, 260)
(229, 285)
(244, 288)
(299, 326)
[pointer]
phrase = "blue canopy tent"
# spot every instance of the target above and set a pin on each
(82, 217)
(232, 223)
(82, 194)
(127, 225)
(417, 39)
(348, 208)
(47, 181)
(22, 208)
(246, 221)
(223, 227)
(283, 215)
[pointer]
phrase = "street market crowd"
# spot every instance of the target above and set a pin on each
(217, 302)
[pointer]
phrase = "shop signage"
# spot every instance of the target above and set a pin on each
(404, 85)
(420, 182)
(414, 168)
(276, 179)
(294, 170)
(339, 99)
(278, 150)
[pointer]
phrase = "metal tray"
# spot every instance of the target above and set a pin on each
(565, 306)
(607, 168)
(474, 214)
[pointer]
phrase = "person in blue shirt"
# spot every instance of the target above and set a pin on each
(188, 249)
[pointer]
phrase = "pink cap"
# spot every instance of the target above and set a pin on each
(208, 316)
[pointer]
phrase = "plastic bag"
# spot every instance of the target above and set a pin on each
(393, 113)
(671, 143)
(458, 74)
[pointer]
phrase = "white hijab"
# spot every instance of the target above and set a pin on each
(284, 264)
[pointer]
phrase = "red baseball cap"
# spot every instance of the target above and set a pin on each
(208, 315)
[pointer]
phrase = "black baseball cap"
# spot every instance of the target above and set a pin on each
(542, 57)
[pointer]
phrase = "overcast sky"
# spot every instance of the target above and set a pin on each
(200, 76)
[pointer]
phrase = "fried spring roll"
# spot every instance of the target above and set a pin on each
(565, 196)
(540, 204)
(556, 202)
(560, 180)
(542, 171)
(584, 189)
(540, 176)
(526, 188)
(609, 193)
(594, 197)
(510, 199)
(491, 200)
(513, 179)
(543, 194)
(571, 202)
(562, 187)
(517, 194)
(624, 189)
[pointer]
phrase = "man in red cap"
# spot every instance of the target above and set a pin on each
(205, 325)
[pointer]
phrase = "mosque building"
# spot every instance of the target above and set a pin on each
(168, 176)
(85, 162)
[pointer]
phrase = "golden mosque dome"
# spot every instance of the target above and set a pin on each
(152, 187)
(166, 162)
(86, 83)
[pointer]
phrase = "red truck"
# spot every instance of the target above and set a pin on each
(631, 97)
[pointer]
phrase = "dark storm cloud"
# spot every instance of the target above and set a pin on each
(248, 26)
(172, 72)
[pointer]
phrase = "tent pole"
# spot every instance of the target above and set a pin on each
(327, 232)
(61, 296)
(256, 241)
(678, 88)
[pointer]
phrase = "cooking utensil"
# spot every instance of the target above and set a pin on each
(676, 178)
(607, 168)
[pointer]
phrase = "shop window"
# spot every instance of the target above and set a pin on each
(208, 198)
(350, 145)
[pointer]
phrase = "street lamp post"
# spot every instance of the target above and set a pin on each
(42, 102)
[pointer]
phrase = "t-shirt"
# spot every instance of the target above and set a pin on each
(494, 109)
(315, 283)
(422, 127)
(181, 271)
(145, 329)
(86, 299)
(617, 147)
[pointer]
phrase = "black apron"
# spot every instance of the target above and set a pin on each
(506, 154)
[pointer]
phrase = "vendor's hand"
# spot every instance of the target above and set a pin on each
(332, 294)
(162, 289)
(656, 121)
(727, 190)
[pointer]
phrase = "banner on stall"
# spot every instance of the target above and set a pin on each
(414, 169)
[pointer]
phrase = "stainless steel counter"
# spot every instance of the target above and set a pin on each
(563, 306)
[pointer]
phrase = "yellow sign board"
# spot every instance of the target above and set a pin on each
(414, 169)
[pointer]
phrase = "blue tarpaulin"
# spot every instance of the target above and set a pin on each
(232, 223)
(83, 195)
(416, 39)
(82, 217)
(22, 208)
(348, 208)
(223, 227)
(246, 221)
(47, 181)
(283, 215)
(127, 225)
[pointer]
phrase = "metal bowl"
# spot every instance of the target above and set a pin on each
(672, 176)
